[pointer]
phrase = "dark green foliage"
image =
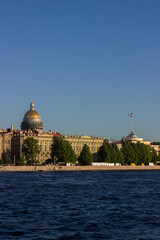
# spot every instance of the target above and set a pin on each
(144, 153)
(30, 149)
(155, 143)
(62, 150)
(20, 162)
(114, 153)
(158, 158)
(128, 153)
(154, 156)
(56, 147)
(104, 154)
(138, 153)
(106, 141)
(110, 153)
(48, 161)
(136, 150)
(6, 159)
(120, 157)
(85, 157)
(67, 155)
(1, 161)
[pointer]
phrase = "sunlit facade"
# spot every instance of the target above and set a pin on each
(11, 140)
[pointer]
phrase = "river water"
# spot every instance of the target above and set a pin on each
(118, 205)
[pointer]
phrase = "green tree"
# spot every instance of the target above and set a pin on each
(48, 161)
(67, 155)
(128, 153)
(143, 153)
(110, 153)
(158, 157)
(136, 150)
(30, 149)
(113, 152)
(104, 154)
(62, 150)
(56, 147)
(137, 153)
(6, 159)
(20, 162)
(120, 158)
(116, 154)
(1, 161)
(85, 157)
(154, 156)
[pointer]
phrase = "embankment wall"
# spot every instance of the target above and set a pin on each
(74, 168)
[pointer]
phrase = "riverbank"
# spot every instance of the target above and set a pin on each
(74, 168)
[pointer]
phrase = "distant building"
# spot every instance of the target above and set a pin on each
(32, 120)
(77, 142)
(132, 138)
(11, 140)
(32, 126)
(44, 139)
(5, 142)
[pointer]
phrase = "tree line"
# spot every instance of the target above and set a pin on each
(61, 151)
(136, 153)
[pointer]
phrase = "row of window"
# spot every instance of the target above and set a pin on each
(45, 142)
(88, 143)
(45, 154)
(92, 149)
(45, 148)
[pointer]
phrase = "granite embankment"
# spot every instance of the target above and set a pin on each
(74, 168)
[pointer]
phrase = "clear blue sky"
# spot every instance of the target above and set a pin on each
(85, 63)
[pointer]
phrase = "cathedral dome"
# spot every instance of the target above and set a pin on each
(32, 120)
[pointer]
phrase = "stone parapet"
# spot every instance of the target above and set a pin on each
(74, 168)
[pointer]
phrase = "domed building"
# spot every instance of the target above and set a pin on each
(32, 126)
(132, 138)
(32, 120)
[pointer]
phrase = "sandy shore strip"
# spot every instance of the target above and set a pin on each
(74, 168)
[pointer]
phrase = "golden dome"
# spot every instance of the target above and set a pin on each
(32, 114)
(32, 120)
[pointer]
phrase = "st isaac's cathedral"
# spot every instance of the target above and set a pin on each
(11, 140)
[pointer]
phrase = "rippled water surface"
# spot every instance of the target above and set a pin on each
(119, 205)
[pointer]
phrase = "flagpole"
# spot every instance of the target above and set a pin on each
(132, 124)
(131, 116)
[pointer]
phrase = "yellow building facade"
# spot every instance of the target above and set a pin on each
(77, 143)
(5, 143)
(11, 140)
